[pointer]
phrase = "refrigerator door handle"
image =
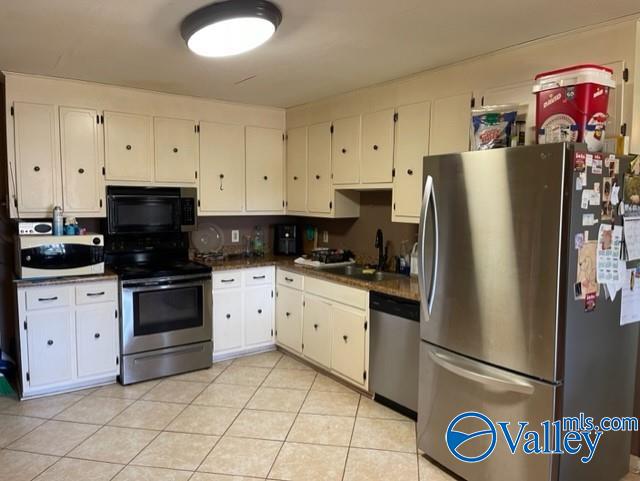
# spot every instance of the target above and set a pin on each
(503, 383)
(427, 198)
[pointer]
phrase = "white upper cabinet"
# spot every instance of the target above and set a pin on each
(264, 169)
(221, 179)
(521, 95)
(319, 169)
(176, 151)
(450, 124)
(128, 144)
(377, 147)
(37, 158)
(297, 170)
(82, 162)
(345, 151)
(411, 145)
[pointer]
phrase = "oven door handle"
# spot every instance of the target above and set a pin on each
(161, 285)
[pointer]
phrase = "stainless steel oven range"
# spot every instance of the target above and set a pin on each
(166, 325)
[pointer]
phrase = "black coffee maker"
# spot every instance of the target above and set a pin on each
(288, 240)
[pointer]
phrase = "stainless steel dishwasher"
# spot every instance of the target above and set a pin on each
(394, 347)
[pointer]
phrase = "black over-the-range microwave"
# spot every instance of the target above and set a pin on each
(150, 210)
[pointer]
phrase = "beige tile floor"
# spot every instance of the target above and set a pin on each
(260, 417)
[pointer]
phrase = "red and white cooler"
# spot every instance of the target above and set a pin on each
(572, 103)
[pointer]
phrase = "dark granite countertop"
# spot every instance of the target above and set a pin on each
(52, 281)
(406, 288)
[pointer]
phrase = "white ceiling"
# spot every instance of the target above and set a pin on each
(323, 47)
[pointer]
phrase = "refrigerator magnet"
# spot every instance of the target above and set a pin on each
(589, 220)
(577, 291)
(590, 302)
(579, 240)
(579, 161)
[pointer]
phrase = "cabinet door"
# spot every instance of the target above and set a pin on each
(36, 157)
(176, 150)
(377, 147)
(319, 183)
(227, 320)
(81, 152)
(316, 334)
(51, 347)
(221, 167)
(258, 315)
(345, 150)
(411, 145)
(450, 124)
(348, 342)
(128, 147)
(289, 318)
(297, 170)
(264, 169)
(97, 340)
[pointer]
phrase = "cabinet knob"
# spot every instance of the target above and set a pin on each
(222, 176)
(259, 311)
(175, 150)
(345, 338)
(315, 326)
(375, 147)
(50, 342)
(265, 177)
(344, 151)
(80, 171)
(228, 316)
(97, 335)
(317, 177)
(295, 177)
(128, 147)
(410, 172)
(287, 314)
(36, 168)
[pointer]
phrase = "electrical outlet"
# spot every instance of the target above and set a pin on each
(325, 236)
(235, 235)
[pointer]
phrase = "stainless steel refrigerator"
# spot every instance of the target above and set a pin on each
(502, 330)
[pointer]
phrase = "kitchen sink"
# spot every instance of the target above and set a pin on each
(358, 272)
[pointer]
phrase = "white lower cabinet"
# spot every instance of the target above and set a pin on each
(243, 311)
(67, 342)
(330, 330)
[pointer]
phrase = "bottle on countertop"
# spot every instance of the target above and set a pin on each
(58, 221)
(258, 242)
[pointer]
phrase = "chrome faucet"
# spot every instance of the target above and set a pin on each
(382, 250)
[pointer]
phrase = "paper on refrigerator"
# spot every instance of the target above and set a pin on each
(608, 254)
(630, 305)
(632, 238)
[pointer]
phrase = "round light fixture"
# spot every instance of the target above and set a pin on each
(230, 27)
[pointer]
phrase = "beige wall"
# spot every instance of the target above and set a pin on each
(604, 44)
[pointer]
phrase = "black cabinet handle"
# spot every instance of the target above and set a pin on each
(36, 168)
(295, 177)
(375, 147)
(50, 342)
(128, 147)
(81, 171)
(175, 150)
(410, 172)
(222, 176)
(315, 326)
(228, 316)
(45, 299)
(97, 335)
(265, 177)
(259, 311)
(259, 277)
(317, 177)
(227, 280)
(345, 338)
(288, 279)
(344, 151)
(95, 294)
(287, 314)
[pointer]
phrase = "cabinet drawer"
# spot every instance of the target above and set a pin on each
(290, 279)
(227, 279)
(47, 297)
(260, 276)
(92, 293)
(337, 292)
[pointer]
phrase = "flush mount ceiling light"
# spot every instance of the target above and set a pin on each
(231, 27)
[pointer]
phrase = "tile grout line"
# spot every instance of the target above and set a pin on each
(355, 420)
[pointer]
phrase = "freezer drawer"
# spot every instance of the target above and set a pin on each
(450, 385)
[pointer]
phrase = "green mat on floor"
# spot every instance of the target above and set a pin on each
(5, 387)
